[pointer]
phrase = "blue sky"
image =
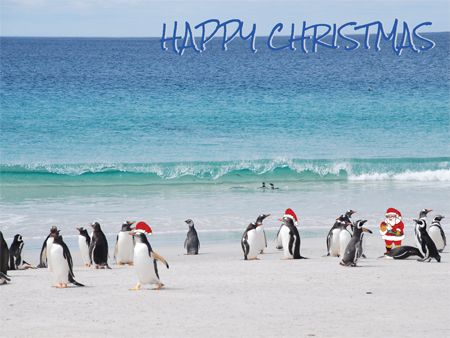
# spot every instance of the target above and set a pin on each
(142, 18)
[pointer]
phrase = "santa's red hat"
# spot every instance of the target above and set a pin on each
(291, 214)
(391, 211)
(143, 227)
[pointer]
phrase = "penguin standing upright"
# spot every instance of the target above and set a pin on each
(353, 250)
(62, 264)
(424, 242)
(437, 234)
(260, 233)
(98, 250)
(145, 261)
(84, 241)
(43, 257)
(249, 242)
(191, 243)
(290, 237)
(345, 237)
(4, 260)
(15, 254)
(333, 240)
(123, 252)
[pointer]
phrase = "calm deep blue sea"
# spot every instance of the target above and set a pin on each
(87, 124)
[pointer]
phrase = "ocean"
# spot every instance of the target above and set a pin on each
(97, 129)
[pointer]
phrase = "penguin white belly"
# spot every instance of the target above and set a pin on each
(344, 239)
(260, 238)
(334, 243)
(49, 256)
(60, 267)
(279, 243)
(143, 264)
(84, 249)
(253, 243)
(435, 234)
(125, 248)
(285, 238)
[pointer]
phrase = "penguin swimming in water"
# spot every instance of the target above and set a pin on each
(15, 254)
(43, 257)
(84, 241)
(62, 264)
(437, 234)
(403, 252)
(191, 243)
(145, 262)
(424, 242)
(98, 250)
(124, 250)
(4, 260)
(353, 250)
(249, 242)
(290, 237)
(333, 240)
(260, 233)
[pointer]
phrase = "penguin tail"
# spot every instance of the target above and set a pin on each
(74, 282)
(301, 257)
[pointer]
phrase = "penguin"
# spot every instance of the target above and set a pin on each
(403, 252)
(279, 244)
(84, 241)
(260, 233)
(191, 243)
(62, 264)
(43, 261)
(333, 248)
(4, 260)
(353, 250)
(424, 212)
(424, 242)
(437, 234)
(124, 250)
(345, 237)
(98, 249)
(145, 262)
(15, 254)
(290, 238)
(249, 242)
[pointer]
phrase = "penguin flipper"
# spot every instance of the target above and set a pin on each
(159, 258)
(329, 241)
(116, 248)
(291, 242)
(43, 254)
(265, 238)
(443, 237)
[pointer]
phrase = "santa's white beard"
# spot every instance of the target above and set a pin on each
(393, 221)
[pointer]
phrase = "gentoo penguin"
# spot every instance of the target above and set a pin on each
(345, 237)
(62, 264)
(98, 250)
(424, 212)
(249, 242)
(353, 250)
(84, 241)
(123, 252)
(290, 237)
(191, 243)
(403, 252)
(145, 261)
(424, 242)
(437, 234)
(333, 235)
(260, 233)
(43, 259)
(4, 260)
(15, 254)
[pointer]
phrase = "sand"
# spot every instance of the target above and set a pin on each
(218, 294)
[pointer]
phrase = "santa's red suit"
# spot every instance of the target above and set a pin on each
(392, 229)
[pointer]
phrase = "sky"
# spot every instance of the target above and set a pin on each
(144, 18)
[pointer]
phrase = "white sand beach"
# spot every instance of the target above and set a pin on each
(219, 294)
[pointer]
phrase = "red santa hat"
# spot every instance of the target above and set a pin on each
(143, 227)
(393, 211)
(291, 214)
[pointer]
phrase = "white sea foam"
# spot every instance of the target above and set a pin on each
(426, 176)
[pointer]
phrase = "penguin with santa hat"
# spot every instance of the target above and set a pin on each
(392, 229)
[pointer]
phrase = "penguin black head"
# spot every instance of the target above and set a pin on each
(82, 231)
(359, 225)
(288, 220)
(139, 236)
(261, 218)
(96, 226)
(438, 218)
(189, 222)
(18, 238)
(424, 212)
(54, 230)
(127, 226)
(349, 213)
(420, 222)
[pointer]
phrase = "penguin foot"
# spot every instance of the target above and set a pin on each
(136, 288)
(131, 264)
(159, 286)
(120, 263)
(61, 286)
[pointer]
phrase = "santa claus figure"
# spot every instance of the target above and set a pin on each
(392, 229)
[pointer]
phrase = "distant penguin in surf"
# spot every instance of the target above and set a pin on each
(191, 243)
(424, 212)
(290, 237)
(43, 257)
(437, 234)
(249, 242)
(272, 186)
(84, 241)
(353, 250)
(124, 249)
(98, 250)
(403, 252)
(260, 233)
(263, 186)
(145, 261)
(4, 260)
(424, 242)
(62, 264)
(16, 261)
(333, 240)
